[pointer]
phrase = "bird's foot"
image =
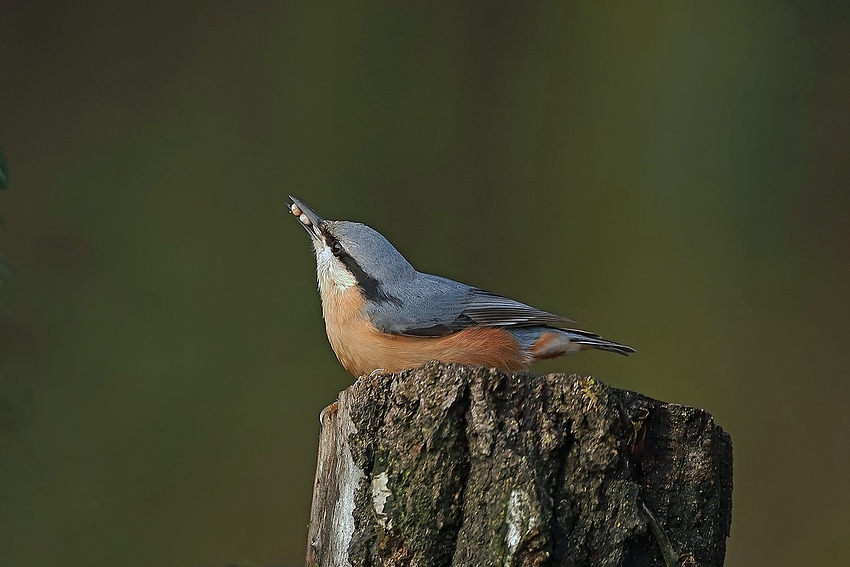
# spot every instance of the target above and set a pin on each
(331, 409)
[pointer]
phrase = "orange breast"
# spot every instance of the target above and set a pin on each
(361, 348)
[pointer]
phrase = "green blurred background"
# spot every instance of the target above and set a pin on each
(673, 175)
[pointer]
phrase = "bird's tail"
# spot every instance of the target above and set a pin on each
(590, 340)
(547, 342)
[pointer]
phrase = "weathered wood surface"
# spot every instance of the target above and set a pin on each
(451, 465)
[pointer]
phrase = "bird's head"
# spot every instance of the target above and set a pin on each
(350, 254)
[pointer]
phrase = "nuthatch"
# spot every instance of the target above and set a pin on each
(381, 314)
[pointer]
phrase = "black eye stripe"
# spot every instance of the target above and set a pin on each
(371, 288)
(336, 247)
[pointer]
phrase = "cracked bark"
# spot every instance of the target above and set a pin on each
(450, 465)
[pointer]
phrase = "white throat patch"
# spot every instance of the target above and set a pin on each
(331, 272)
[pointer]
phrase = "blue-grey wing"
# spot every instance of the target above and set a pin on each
(493, 310)
(434, 306)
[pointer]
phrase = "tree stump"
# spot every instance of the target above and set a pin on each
(449, 465)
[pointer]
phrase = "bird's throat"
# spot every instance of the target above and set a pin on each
(332, 274)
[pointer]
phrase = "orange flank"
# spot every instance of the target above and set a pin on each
(361, 348)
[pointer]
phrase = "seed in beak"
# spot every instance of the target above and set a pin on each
(295, 210)
(303, 218)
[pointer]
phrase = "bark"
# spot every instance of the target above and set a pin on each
(450, 465)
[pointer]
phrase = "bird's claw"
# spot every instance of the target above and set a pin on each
(332, 409)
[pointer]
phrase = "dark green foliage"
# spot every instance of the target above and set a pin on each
(4, 172)
(5, 274)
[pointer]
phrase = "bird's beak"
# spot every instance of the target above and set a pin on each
(308, 218)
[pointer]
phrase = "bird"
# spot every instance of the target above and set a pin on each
(381, 314)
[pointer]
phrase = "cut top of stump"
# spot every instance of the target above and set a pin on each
(449, 465)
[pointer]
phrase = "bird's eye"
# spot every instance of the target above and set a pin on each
(336, 249)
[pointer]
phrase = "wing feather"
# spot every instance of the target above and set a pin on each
(436, 306)
(493, 310)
